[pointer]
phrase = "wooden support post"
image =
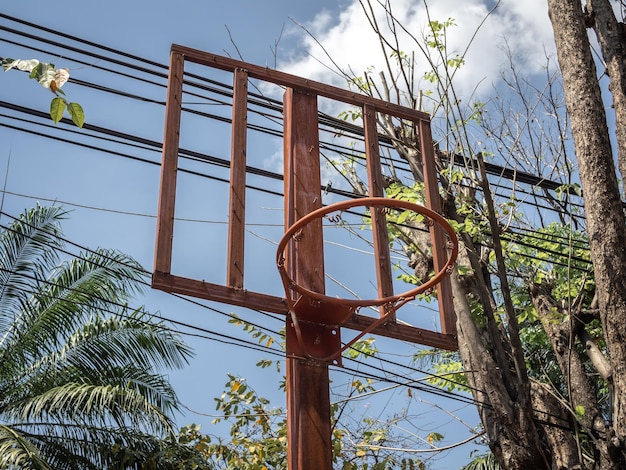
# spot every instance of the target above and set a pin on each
(169, 165)
(376, 188)
(433, 200)
(308, 416)
(308, 395)
(237, 200)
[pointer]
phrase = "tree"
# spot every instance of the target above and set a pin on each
(258, 435)
(80, 380)
(603, 205)
(541, 334)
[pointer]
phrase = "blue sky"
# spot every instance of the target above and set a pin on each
(113, 199)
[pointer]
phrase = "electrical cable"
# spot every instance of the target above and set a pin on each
(455, 396)
(123, 306)
(519, 190)
(161, 103)
(261, 172)
(230, 340)
(220, 162)
(85, 249)
(491, 168)
(224, 163)
(428, 388)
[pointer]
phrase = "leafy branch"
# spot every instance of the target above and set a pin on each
(51, 78)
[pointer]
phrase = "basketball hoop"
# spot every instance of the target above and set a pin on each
(317, 307)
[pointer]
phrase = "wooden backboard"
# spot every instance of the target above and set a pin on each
(303, 190)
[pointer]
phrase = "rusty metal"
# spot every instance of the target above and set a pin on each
(317, 293)
(313, 305)
(324, 313)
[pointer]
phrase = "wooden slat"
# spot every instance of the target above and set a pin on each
(218, 293)
(298, 83)
(376, 188)
(169, 164)
(405, 333)
(433, 201)
(267, 303)
(237, 198)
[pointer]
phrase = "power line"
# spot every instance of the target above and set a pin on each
(155, 146)
(220, 162)
(152, 145)
(254, 346)
(511, 235)
(156, 102)
(85, 249)
(507, 173)
(215, 336)
(230, 340)
(455, 396)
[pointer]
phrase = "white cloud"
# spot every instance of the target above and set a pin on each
(352, 45)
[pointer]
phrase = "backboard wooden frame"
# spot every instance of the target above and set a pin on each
(233, 291)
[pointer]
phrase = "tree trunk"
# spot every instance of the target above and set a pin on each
(513, 436)
(559, 327)
(610, 34)
(603, 208)
(558, 437)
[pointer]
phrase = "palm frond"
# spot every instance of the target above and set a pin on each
(28, 245)
(143, 341)
(483, 462)
(91, 283)
(97, 352)
(79, 371)
(127, 338)
(70, 447)
(100, 404)
(16, 451)
(75, 291)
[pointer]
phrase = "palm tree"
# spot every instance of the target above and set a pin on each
(483, 462)
(80, 380)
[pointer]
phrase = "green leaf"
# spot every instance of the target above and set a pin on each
(434, 437)
(263, 363)
(76, 113)
(7, 64)
(57, 107)
(44, 73)
(580, 411)
(73, 358)
(362, 347)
